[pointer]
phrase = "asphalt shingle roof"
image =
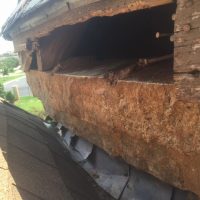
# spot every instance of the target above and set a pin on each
(33, 164)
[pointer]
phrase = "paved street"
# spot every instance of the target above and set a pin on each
(22, 85)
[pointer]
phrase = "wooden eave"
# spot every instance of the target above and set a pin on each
(45, 20)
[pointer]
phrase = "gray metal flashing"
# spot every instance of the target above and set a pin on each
(117, 178)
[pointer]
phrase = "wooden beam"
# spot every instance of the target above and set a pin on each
(41, 23)
(187, 50)
(26, 57)
(187, 36)
(39, 60)
(188, 87)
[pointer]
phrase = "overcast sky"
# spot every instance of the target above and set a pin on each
(6, 8)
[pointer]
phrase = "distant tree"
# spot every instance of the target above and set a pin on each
(9, 62)
(10, 97)
(5, 71)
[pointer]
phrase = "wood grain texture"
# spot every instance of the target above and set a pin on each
(187, 49)
(187, 38)
(188, 87)
(143, 123)
(46, 20)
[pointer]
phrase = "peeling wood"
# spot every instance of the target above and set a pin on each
(188, 13)
(181, 39)
(187, 50)
(26, 57)
(39, 60)
(188, 63)
(188, 86)
(143, 123)
(79, 14)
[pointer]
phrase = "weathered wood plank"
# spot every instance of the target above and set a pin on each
(26, 59)
(182, 39)
(39, 60)
(129, 120)
(187, 50)
(186, 39)
(186, 59)
(188, 87)
(188, 15)
(78, 11)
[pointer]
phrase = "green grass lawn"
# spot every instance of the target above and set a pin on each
(32, 105)
(5, 79)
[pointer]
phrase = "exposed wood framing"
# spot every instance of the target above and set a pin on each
(187, 49)
(72, 13)
(188, 86)
(187, 36)
(37, 50)
(39, 60)
(26, 58)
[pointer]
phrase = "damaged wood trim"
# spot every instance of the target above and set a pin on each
(156, 100)
(26, 57)
(186, 50)
(39, 60)
(188, 87)
(80, 14)
(31, 47)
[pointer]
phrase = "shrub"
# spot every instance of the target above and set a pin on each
(5, 71)
(10, 97)
(2, 92)
(10, 63)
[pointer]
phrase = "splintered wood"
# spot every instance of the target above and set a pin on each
(187, 49)
(129, 120)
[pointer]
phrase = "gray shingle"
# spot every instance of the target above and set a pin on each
(29, 167)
